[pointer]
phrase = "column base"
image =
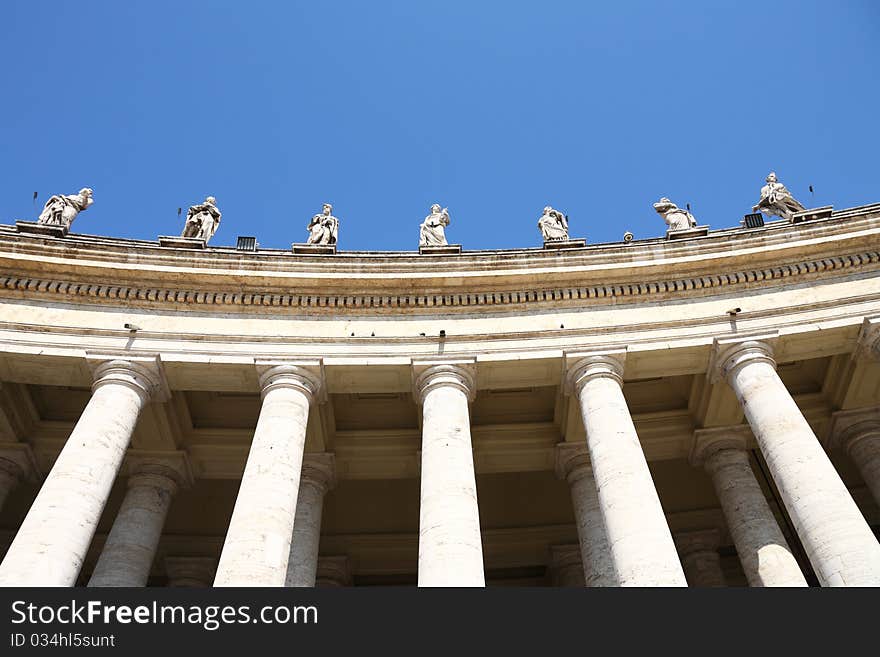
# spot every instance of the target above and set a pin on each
(443, 249)
(566, 244)
(696, 231)
(823, 212)
(314, 249)
(46, 230)
(181, 242)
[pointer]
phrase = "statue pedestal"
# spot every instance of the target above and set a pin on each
(445, 249)
(696, 231)
(181, 242)
(314, 249)
(33, 228)
(815, 213)
(565, 244)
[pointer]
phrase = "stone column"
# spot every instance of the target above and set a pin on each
(450, 545)
(257, 545)
(700, 558)
(838, 541)
(192, 572)
(16, 465)
(566, 569)
(762, 549)
(131, 545)
(858, 432)
(50, 546)
(318, 476)
(333, 572)
(573, 465)
(642, 548)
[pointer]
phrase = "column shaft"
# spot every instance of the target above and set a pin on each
(762, 549)
(131, 545)
(642, 548)
(450, 545)
(257, 545)
(838, 541)
(317, 477)
(865, 453)
(50, 546)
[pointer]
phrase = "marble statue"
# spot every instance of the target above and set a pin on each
(553, 225)
(776, 200)
(61, 210)
(675, 217)
(324, 227)
(431, 230)
(202, 220)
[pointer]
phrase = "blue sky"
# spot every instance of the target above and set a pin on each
(382, 108)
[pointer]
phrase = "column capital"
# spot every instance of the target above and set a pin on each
(17, 460)
(333, 571)
(869, 339)
(579, 367)
(169, 470)
(729, 353)
(190, 571)
(319, 470)
(143, 374)
(459, 373)
(572, 462)
(307, 376)
(850, 427)
(708, 442)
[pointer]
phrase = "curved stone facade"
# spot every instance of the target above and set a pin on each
(724, 381)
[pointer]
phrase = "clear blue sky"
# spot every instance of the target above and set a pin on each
(381, 108)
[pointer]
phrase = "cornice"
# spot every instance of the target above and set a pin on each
(332, 303)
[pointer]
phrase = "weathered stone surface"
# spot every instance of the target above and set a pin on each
(257, 546)
(318, 476)
(641, 544)
(764, 553)
(573, 465)
(450, 545)
(51, 543)
(839, 543)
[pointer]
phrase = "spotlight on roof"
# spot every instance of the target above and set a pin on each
(753, 220)
(628, 236)
(132, 327)
(733, 311)
(245, 243)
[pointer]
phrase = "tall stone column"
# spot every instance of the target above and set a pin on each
(191, 572)
(760, 545)
(257, 546)
(573, 465)
(318, 476)
(450, 545)
(700, 558)
(131, 545)
(838, 541)
(642, 548)
(50, 546)
(16, 465)
(566, 569)
(858, 432)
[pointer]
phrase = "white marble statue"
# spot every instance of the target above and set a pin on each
(675, 217)
(202, 220)
(553, 225)
(776, 200)
(61, 210)
(431, 230)
(324, 227)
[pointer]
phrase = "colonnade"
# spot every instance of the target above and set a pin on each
(624, 538)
